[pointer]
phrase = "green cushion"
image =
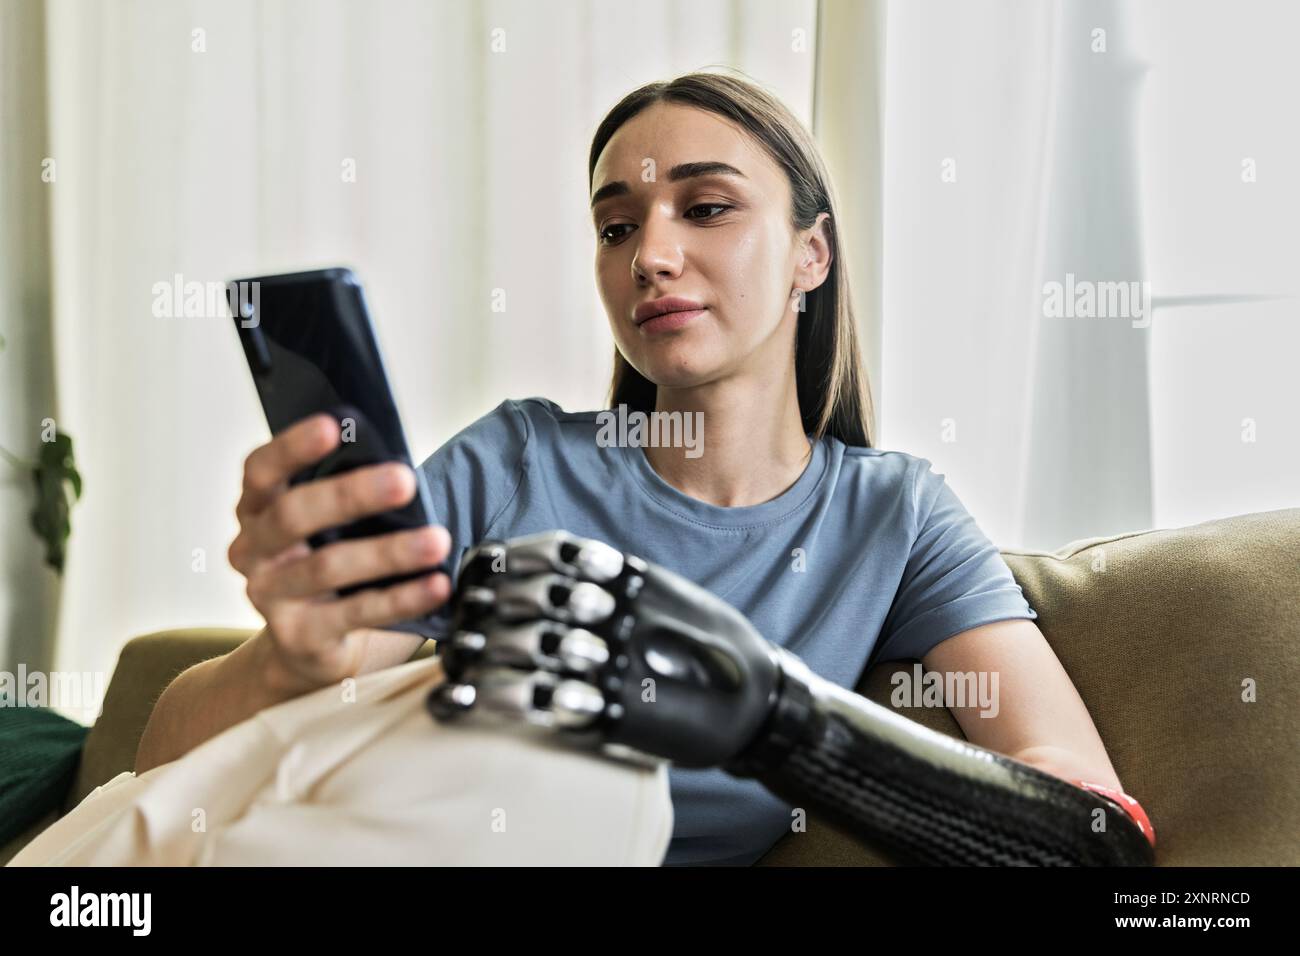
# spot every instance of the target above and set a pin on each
(39, 752)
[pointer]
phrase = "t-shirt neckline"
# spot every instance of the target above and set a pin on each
(718, 516)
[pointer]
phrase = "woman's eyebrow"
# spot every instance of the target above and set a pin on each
(675, 174)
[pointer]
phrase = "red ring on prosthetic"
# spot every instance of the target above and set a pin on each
(1126, 803)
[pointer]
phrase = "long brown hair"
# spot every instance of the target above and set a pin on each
(831, 379)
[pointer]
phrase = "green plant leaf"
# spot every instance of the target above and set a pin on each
(55, 470)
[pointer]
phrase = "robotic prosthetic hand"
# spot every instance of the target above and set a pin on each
(615, 654)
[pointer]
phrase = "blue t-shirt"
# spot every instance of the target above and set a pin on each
(869, 550)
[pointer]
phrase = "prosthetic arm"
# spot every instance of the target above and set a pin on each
(574, 638)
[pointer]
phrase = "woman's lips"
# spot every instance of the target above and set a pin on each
(670, 321)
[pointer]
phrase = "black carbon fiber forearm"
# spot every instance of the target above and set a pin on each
(923, 798)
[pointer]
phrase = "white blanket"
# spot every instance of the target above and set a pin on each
(360, 774)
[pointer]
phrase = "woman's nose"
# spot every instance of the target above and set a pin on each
(659, 250)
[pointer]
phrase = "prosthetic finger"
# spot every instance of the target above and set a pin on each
(579, 558)
(539, 697)
(540, 644)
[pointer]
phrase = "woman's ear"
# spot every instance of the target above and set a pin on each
(815, 261)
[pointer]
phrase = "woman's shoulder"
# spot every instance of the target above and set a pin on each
(547, 422)
(886, 470)
(530, 425)
(540, 408)
(887, 461)
(525, 415)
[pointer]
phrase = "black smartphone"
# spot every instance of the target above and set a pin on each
(311, 348)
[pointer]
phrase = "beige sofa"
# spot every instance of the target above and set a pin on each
(1161, 631)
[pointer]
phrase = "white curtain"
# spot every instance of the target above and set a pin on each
(1041, 426)
(212, 140)
(1029, 142)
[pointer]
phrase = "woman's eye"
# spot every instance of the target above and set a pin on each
(603, 234)
(708, 205)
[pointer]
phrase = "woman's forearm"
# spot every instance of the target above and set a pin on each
(1069, 766)
(210, 697)
(216, 694)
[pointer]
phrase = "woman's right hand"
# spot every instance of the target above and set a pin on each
(316, 637)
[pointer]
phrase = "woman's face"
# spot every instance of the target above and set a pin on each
(723, 240)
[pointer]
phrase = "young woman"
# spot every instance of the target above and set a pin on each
(720, 264)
